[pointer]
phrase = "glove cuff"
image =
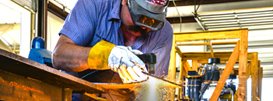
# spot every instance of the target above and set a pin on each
(98, 55)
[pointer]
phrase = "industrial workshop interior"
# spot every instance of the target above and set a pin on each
(221, 50)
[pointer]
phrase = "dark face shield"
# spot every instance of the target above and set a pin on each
(152, 17)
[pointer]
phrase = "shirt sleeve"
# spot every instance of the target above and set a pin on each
(79, 25)
(160, 43)
(163, 50)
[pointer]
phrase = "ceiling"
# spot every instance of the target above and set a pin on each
(257, 18)
(186, 8)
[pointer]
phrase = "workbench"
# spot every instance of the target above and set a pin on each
(23, 79)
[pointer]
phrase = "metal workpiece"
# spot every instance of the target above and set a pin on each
(150, 60)
(24, 67)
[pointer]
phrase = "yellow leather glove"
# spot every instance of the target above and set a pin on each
(98, 55)
(105, 55)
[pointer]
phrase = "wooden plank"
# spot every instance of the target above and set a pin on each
(206, 55)
(186, 66)
(15, 88)
(95, 97)
(181, 80)
(243, 65)
(224, 43)
(254, 76)
(181, 74)
(260, 81)
(191, 44)
(224, 76)
(172, 68)
(211, 49)
(208, 35)
(67, 94)
(206, 2)
(19, 65)
(194, 65)
(202, 43)
(179, 52)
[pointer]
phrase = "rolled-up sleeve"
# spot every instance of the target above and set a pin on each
(79, 25)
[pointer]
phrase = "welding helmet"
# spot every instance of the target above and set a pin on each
(148, 13)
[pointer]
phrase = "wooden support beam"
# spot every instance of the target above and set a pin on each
(186, 67)
(254, 76)
(224, 76)
(194, 65)
(191, 44)
(204, 43)
(211, 49)
(179, 52)
(208, 35)
(181, 80)
(223, 43)
(206, 55)
(172, 68)
(181, 73)
(260, 80)
(243, 65)
(182, 70)
(95, 97)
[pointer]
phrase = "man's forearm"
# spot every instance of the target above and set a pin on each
(69, 56)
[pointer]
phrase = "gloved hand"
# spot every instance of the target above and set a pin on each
(122, 55)
(124, 61)
(131, 74)
(137, 52)
(105, 55)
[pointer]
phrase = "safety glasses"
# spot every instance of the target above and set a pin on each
(145, 18)
(145, 21)
(148, 22)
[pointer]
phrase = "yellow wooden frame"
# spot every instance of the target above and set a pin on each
(240, 52)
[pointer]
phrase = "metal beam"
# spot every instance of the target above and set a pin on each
(42, 18)
(185, 19)
(57, 10)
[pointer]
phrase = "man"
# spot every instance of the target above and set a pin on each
(97, 33)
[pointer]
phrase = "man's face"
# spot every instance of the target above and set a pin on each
(129, 27)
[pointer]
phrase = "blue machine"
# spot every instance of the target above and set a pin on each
(38, 52)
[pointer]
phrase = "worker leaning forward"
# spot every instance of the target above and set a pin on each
(100, 40)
